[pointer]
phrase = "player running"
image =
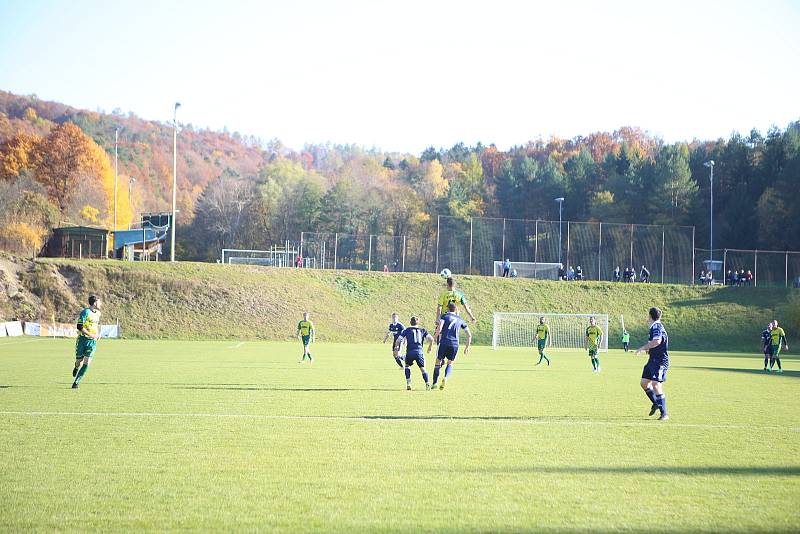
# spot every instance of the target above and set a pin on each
(306, 334)
(766, 345)
(414, 337)
(655, 371)
(594, 337)
(778, 340)
(447, 338)
(395, 328)
(88, 334)
(542, 337)
(452, 295)
(626, 340)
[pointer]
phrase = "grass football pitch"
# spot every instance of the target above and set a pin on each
(228, 436)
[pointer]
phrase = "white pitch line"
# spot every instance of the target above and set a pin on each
(237, 345)
(433, 418)
(3, 344)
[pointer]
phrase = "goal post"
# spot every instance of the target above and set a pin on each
(529, 269)
(567, 330)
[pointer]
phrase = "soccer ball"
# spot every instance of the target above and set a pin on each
(446, 273)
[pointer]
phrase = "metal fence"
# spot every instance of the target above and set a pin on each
(769, 268)
(472, 245)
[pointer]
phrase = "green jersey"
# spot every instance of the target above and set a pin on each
(305, 328)
(594, 334)
(90, 322)
(626, 337)
(542, 331)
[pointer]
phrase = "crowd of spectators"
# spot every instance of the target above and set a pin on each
(739, 278)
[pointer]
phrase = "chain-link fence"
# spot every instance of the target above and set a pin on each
(473, 245)
(761, 268)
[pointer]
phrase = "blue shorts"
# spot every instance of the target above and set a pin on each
(655, 370)
(411, 358)
(447, 352)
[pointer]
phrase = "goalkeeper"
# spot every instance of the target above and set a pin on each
(542, 338)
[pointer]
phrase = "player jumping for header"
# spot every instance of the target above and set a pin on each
(452, 295)
(306, 334)
(447, 338)
(395, 328)
(542, 337)
(88, 334)
(655, 371)
(594, 337)
(415, 337)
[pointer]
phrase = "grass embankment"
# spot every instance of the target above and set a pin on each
(208, 301)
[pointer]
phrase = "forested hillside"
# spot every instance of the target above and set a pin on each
(239, 191)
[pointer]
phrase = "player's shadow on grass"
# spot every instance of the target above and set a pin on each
(315, 390)
(793, 471)
(787, 374)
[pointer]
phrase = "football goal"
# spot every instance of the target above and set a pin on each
(284, 256)
(567, 330)
(529, 269)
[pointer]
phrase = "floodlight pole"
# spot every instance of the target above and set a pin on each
(174, 179)
(710, 165)
(131, 181)
(560, 201)
(116, 175)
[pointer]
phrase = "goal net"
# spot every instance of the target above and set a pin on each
(284, 256)
(567, 330)
(529, 269)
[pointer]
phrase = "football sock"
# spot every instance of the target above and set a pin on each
(766, 362)
(309, 357)
(661, 400)
(771, 362)
(651, 395)
(425, 377)
(545, 357)
(81, 372)
(408, 373)
(447, 370)
(436, 371)
(399, 361)
(778, 361)
(594, 363)
(597, 362)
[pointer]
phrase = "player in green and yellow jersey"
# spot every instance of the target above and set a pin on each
(88, 334)
(594, 336)
(542, 337)
(305, 333)
(451, 295)
(778, 340)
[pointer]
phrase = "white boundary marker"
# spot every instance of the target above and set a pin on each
(238, 345)
(431, 418)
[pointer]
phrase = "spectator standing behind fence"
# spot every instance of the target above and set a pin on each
(702, 278)
(617, 274)
(385, 268)
(709, 278)
(579, 273)
(571, 274)
(644, 274)
(742, 278)
(506, 267)
(749, 278)
(298, 261)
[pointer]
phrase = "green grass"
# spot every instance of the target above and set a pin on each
(222, 436)
(206, 301)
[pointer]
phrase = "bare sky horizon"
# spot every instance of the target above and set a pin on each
(402, 76)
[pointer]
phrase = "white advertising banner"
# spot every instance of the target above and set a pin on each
(13, 328)
(33, 329)
(109, 331)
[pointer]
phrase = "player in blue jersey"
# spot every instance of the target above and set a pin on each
(655, 372)
(766, 345)
(415, 337)
(447, 338)
(395, 328)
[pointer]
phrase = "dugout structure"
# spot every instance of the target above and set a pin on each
(567, 330)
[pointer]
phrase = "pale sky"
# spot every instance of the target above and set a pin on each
(408, 74)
